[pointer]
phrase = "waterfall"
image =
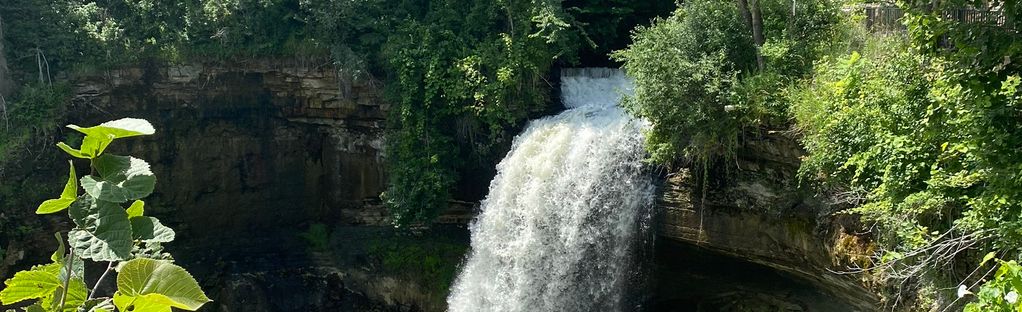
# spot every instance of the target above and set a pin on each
(567, 212)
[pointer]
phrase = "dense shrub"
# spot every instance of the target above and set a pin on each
(686, 70)
(925, 151)
(697, 79)
(28, 129)
(860, 120)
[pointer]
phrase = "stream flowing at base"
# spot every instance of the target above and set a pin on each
(568, 212)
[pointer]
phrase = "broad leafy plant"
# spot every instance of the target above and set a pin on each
(999, 294)
(127, 240)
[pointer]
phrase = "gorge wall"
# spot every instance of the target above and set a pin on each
(761, 216)
(272, 172)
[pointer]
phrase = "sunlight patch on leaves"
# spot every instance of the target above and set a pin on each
(146, 285)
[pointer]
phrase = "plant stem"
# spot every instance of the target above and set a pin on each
(109, 267)
(67, 280)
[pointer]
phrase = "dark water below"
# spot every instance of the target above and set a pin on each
(690, 278)
(682, 277)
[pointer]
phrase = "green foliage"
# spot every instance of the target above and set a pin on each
(29, 120)
(686, 70)
(27, 128)
(125, 178)
(988, 45)
(696, 74)
(977, 96)
(465, 71)
(797, 33)
(924, 134)
(1000, 294)
(42, 282)
(318, 236)
(432, 264)
(39, 282)
(67, 197)
(861, 120)
(105, 231)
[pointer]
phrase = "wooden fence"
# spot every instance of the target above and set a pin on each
(883, 18)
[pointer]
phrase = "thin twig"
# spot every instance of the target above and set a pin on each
(952, 304)
(3, 107)
(109, 267)
(939, 253)
(49, 81)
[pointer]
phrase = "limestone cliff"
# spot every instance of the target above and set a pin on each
(760, 214)
(252, 156)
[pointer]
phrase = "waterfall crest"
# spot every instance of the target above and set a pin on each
(567, 211)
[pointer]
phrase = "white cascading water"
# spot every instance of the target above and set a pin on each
(567, 212)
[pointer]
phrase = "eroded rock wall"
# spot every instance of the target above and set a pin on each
(249, 158)
(235, 139)
(760, 214)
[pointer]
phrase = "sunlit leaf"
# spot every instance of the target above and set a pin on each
(137, 209)
(39, 282)
(66, 197)
(147, 285)
(76, 296)
(94, 145)
(989, 256)
(71, 151)
(121, 128)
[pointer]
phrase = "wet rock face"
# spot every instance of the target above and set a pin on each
(761, 216)
(248, 157)
(291, 143)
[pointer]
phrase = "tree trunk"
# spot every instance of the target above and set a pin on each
(743, 8)
(757, 32)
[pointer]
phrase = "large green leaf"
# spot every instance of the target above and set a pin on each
(39, 282)
(147, 285)
(150, 230)
(66, 197)
(97, 138)
(103, 232)
(124, 178)
(121, 128)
